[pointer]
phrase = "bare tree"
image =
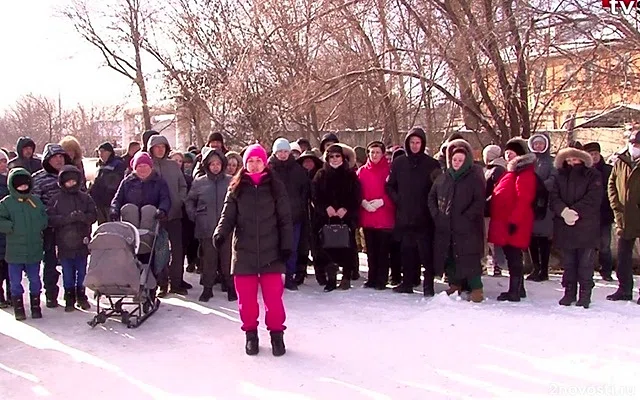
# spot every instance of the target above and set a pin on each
(35, 116)
(117, 31)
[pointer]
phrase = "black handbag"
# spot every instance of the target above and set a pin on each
(335, 236)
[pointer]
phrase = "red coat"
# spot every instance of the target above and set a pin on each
(512, 203)
(373, 178)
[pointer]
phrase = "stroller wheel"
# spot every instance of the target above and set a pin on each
(100, 318)
(92, 323)
(118, 306)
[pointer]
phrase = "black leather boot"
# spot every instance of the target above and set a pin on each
(252, 346)
(514, 290)
(277, 344)
(584, 299)
(82, 299)
(36, 311)
(570, 293)
(207, 294)
(18, 308)
(69, 300)
(52, 298)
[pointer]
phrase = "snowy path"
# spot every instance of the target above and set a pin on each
(351, 345)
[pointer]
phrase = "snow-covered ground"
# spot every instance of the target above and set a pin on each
(360, 344)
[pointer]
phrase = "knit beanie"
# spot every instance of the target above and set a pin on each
(189, 157)
(141, 158)
(295, 147)
(281, 144)
(3, 155)
(255, 150)
(490, 153)
(215, 137)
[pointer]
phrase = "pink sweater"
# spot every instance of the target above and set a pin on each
(373, 178)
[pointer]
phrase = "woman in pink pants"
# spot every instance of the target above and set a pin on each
(257, 208)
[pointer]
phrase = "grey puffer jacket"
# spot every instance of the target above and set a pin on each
(206, 198)
(261, 217)
(171, 173)
(547, 173)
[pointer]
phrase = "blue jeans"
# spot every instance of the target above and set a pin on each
(293, 260)
(33, 274)
(73, 272)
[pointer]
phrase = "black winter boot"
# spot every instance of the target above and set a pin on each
(36, 311)
(186, 285)
(18, 308)
(535, 274)
(163, 290)
(428, 287)
(332, 283)
(82, 299)
(513, 294)
(178, 290)
(523, 293)
(191, 267)
(277, 343)
(570, 293)
(289, 283)
(620, 295)
(223, 286)
(69, 300)
(252, 346)
(584, 299)
(207, 294)
(345, 283)
(52, 298)
(404, 288)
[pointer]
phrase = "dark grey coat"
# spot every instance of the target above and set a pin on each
(295, 179)
(206, 198)
(457, 209)
(547, 172)
(171, 173)
(261, 217)
(579, 188)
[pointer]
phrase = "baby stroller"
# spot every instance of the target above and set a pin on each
(118, 271)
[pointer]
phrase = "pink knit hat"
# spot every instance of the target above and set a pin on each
(255, 150)
(141, 158)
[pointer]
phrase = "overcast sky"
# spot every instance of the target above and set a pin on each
(41, 53)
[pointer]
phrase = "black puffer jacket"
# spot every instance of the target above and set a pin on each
(296, 181)
(71, 214)
(606, 213)
(106, 184)
(410, 181)
(261, 217)
(206, 197)
(456, 203)
(338, 188)
(45, 181)
(580, 189)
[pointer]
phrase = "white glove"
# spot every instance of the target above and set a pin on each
(377, 203)
(367, 206)
(570, 216)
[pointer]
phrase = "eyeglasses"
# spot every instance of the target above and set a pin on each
(335, 156)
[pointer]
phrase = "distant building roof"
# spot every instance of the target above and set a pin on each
(617, 117)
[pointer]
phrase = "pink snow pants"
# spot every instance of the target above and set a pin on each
(272, 291)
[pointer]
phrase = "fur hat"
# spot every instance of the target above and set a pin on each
(572, 152)
(518, 146)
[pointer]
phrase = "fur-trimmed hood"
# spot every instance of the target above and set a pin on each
(540, 136)
(571, 152)
(349, 154)
(521, 162)
(455, 144)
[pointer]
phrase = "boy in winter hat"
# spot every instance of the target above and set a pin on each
(4, 271)
(71, 213)
(23, 217)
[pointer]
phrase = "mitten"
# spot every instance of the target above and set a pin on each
(367, 206)
(377, 203)
(218, 241)
(161, 215)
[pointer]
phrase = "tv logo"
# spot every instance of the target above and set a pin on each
(618, 7)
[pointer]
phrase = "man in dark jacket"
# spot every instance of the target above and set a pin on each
(575, 201)
(624, 197)
(170, 171)
(45, 186)
(132, 149)
(605, 258)
(26, 148)
(204, 207)
(71, 213)
(410, 181)
(4, 270)
(111, 171)
(327, 140)
(294, 177)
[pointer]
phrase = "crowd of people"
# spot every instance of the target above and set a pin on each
(242, 220)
